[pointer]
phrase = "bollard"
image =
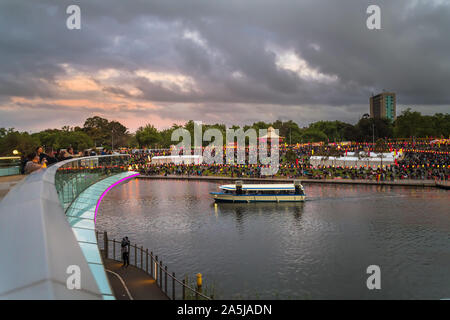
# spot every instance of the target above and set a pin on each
(199, 285)
(199, 280)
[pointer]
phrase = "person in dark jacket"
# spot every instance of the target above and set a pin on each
(125, 248)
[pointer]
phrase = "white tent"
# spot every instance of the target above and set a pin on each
(190, 159)
(350, 160)
(271, 134)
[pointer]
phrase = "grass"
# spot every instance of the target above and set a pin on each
(208, 289)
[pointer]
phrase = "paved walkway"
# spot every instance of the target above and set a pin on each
(7, 182)
(131, 283)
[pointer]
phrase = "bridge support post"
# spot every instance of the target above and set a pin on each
(165, 279)
(173, 285)
(146, 260)
(160, 275)
(105, 245)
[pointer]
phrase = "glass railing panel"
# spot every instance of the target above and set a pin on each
(71, 180)
(74, 177)
(9, 166)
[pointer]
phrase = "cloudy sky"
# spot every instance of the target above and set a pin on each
(227, 61)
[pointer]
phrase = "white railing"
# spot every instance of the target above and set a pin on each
(39, 249)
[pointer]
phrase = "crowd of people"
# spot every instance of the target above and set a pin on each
(42, 158)
(419, 161)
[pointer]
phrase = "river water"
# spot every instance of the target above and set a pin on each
(319, 249)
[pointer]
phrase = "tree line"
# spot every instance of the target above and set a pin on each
(100, 132)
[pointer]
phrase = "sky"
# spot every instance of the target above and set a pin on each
(234, 62)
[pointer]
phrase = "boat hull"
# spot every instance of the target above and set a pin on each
(218, 197)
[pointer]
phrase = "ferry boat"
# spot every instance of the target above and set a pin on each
(239, 192)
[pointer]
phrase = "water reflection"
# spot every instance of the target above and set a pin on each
(241, 209)
(318, 249)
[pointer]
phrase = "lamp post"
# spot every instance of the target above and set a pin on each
(112, 139)
(373, 133)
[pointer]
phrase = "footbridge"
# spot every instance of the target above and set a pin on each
(47, 230)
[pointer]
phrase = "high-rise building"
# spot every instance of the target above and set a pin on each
(383, 105)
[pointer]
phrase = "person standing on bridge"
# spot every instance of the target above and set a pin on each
(125, 252)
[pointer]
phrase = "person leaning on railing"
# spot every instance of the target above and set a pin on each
(33, 163)
(48, 156)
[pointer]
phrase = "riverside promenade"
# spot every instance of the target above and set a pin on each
(131, 283)
(402, 183)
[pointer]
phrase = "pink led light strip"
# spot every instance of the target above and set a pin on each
(106, 191)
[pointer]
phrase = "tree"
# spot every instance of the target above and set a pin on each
(118, 134)
(414, 124)
(63, 139)
(105, 133)
(97, 128)
(408, 124)
(132, 141)
(312, 135)
(75, 139)
(370, 129)
(336, 130)
(289, 130)
(147, 136)
(11, 139)
(442, 124)
(166, 136)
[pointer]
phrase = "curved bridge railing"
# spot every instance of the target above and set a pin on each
(41, 256)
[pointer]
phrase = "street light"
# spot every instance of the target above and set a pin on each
(112, 139)
(373, 133)
(15, 152)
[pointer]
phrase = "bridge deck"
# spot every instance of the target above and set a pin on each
(131, 281)
(7, 182)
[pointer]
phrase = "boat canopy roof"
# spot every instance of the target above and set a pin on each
(288, 186)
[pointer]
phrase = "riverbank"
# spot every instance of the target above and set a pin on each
(403, 183)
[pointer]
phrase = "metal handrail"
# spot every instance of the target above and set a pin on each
(156, 267)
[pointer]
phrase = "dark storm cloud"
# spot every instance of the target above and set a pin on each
(228, 50)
